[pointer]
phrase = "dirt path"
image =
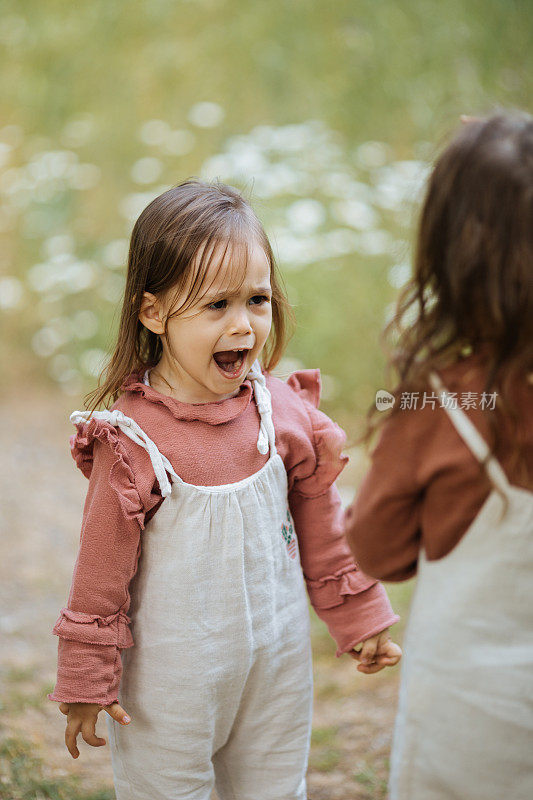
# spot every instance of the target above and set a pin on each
(42, 497)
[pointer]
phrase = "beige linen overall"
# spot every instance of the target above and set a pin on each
(219, 682)
(464, 729)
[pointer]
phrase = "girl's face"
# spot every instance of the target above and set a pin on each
(215, 340)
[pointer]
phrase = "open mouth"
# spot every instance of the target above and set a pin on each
(230, 362)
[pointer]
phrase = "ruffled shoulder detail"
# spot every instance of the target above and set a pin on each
(307, 383)
(328, 437)
(121, 477)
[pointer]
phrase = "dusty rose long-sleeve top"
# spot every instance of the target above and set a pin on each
(207, 444)
(424, 487)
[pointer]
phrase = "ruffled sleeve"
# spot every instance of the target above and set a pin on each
(333, 590)
(353, 605)
(93, 628)
(77, 626)
(120, 477)
(328, 438)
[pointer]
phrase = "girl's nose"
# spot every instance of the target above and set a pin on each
(239, 323)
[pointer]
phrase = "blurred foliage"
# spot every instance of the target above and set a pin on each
(83, 81)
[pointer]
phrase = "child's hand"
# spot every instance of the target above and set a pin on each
(81, 717)
(376, 653)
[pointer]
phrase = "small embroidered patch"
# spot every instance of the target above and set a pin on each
(290, 539)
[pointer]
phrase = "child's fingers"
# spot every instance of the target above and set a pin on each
(368, 651)
(392, 650)
(369, 669)
(117, 712)
(89, 735)
(71, 732)
(386, 661)
(356, 655)
(375, 656)
(389, 656)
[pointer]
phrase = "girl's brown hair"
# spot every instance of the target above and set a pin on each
(472, 287)
(172, 246)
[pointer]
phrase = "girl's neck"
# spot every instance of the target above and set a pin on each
(168, 385)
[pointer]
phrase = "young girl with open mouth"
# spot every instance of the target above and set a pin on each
(211, 506)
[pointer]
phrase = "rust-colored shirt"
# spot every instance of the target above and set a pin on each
(207, 444)
(424, 487)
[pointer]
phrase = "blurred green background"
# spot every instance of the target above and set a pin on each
(327, 114)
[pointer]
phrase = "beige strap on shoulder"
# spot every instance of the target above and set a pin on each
(471, 436)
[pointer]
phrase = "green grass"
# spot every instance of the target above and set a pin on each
(19, 674)
(400, 597)
(367, 777)
(325, 754)
(23, 776)
(20, 690)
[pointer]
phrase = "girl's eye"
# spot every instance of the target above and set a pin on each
(256, 300)
(219, 305)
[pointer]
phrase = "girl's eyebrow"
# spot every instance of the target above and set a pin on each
(213, 298)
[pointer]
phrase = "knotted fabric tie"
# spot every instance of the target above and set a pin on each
(267, 435)
(116, 418)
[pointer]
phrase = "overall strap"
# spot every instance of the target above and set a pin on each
(263, 400)
(116, 418)
(471, 436)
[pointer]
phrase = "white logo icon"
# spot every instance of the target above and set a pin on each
(384, 400)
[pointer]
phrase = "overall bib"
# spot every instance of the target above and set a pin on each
(219, 681)
(464, 729)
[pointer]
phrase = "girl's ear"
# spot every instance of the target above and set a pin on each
(151, 314)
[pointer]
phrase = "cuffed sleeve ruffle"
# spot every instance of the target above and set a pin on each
(328, 437)
(121, 477)
(332, 590)
(94, 629)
